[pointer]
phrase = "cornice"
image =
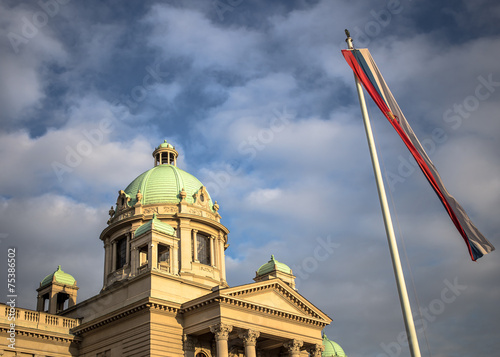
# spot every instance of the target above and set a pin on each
(146, 304)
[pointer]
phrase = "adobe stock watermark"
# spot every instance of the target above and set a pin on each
(95, 137)
(29, 28)
(381, 19)
(454, 116)
(223, 6)
(436, 307)
(323, 250)
(249, 149)
(83, 149)
(155, 74)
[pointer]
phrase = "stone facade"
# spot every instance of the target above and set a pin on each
(165, 291)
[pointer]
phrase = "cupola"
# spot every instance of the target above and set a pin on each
(165, 154)
(274, 269)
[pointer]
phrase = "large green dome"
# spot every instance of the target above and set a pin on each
(332, 349)
(163, 184)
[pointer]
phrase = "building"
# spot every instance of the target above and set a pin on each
(164, 287)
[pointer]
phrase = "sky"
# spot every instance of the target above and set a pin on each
(259, 102)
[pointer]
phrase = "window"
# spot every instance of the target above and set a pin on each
(62, 301)
(143, 255)
(203, 245)
(164, 257)
(201, 354)
(163, 253)
(121, 253)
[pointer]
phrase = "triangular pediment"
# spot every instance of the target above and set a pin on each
(276, 295)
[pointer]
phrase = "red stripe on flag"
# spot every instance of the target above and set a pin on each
(370, 88)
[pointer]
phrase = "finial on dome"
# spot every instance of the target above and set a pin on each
(183, 195)
(165, 154)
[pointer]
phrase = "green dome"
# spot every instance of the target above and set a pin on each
(164, 144)
(163, 184)
(332, 349)
(272, 265)
(60, 277)
(157, 225)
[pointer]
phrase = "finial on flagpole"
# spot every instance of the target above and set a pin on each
(348, 40)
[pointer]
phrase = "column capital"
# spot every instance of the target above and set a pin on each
(316, 350)
(293, 346)
(221, 331)
(249, 337)
(189, 343)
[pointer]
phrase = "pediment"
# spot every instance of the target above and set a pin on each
(276, 295)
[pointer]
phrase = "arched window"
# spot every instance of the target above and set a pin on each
(203, 245)
(121, 252)
(201, 354)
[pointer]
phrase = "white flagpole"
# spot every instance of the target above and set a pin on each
(389, 229)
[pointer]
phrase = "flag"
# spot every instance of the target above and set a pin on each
(365, 69)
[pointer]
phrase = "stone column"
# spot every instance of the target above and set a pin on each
(195, 245)
(185, 241)
(189, 345)
(52, 303)
(113, 257)
(316, 350)
(249, 338)
(222, 258)
(221, 332)
(133, 261)
(106, 260)
(127, 254)
(293, 347)
(212, 251)
(154, 255)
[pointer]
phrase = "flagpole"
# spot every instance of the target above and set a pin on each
(389, 229)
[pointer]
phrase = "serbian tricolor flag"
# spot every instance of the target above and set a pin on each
(367, 72)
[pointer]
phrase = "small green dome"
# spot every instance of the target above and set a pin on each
(272, 265)
(60, 277)
(332, 349)
(157, 225)
(164, 144)
(163, 184)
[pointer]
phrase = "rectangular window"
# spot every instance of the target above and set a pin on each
(164, 257)
(163, 253)
(143, 255)
(203, 248)
(121, 253)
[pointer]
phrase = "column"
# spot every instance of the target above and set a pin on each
(249, 338)
(189, 345)
(113, 259)
(127, 254)
(175, 259)
(195, 245)
(133, 261)
(212, 251)
(40, 302)
(222, 259)
(154, 255)
(107, 253)
(221, 332)
(52, 303)
(293, 347)
(316, 350)
(185, 240)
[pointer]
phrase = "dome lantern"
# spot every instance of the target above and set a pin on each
(165, 154)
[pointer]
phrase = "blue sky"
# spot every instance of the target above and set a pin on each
(258, 100)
